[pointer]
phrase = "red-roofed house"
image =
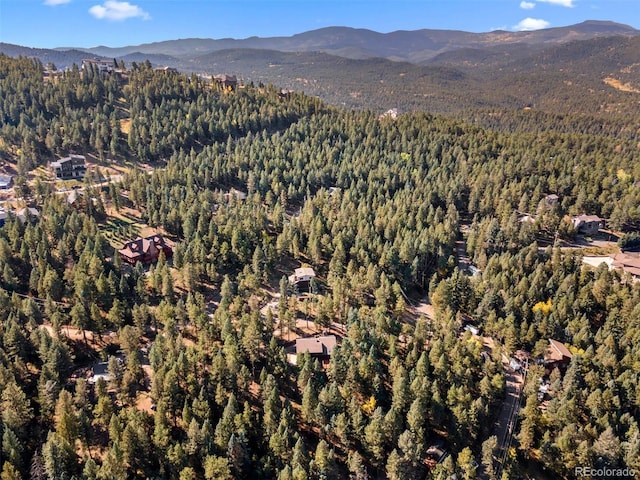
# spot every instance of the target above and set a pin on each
(145, 250)
(557, 355)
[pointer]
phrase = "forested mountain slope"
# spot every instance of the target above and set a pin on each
(595, 78)
(192, 332)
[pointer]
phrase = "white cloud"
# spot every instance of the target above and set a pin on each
(562, 3)
(527, 5)
(529, 24)
(114, 10)
(53, 3)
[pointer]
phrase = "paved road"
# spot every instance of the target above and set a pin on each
(504, 428)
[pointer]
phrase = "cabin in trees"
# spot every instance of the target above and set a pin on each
(145, 250)
(99, 371)
(71, 167)
(234, 193)
(27, 213)
(587, 224)
(23, 215)
(318, 347)
(557, 355)
(301, 278)
(166, 70)
(101, 66)
(227, 82)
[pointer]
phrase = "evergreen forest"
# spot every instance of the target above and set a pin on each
(196, 347)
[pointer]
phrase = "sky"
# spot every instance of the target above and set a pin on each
(116, 23)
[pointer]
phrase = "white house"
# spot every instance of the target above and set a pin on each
(302, 274)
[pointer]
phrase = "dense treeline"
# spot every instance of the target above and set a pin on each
(375, 205)
(84, 111)
(525, 298)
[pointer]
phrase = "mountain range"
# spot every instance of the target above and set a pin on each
(418, 46)
(592, 67)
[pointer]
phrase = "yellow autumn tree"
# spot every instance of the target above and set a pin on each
(369, 406)
(543, 307)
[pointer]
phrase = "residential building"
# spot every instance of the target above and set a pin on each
(302, 274)
(587, 224)
(23, 215)
(551, 200)
(557, 355)
(436, 453)
(596, 260)
(28, 212)
(6, 181)
(145, 250)
(99, 371)
(166, 69)
(233, 193)
(392, 113)
(526, 218)
(318, 347)
(228, 82)
(628, 263)
(71, 167)
(102, 66)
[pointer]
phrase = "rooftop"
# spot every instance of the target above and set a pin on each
(628, 263)
(316, 345)
(587, 218)
(557, 352)
(304, 272)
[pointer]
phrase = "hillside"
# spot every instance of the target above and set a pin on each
(596, 77)
(317, 293)
(62, 59)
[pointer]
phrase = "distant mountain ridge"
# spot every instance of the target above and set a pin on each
(591, 68)
(418, 46)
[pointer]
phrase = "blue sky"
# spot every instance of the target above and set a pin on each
(114, 23)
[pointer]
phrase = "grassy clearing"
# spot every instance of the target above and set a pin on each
(120, 228)
(125, 225)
